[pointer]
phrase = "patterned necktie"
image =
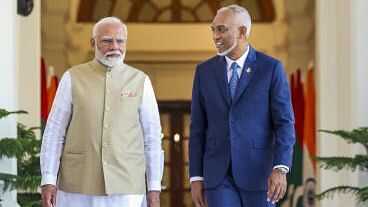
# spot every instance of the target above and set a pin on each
(233, 80)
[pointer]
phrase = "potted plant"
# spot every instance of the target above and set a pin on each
(337, 163)
(26, 148)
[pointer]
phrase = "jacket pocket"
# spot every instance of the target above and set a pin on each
(262, 144)
(258, 88)
(74, 152)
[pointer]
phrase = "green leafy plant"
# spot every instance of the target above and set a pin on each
(359, 161)
(26, 149)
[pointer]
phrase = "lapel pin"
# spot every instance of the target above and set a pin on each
(248, 70)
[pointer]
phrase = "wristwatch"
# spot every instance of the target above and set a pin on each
(282, 170)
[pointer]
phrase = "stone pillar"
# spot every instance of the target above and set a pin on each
(55, 15)
(342, 98)
(300, 37)
(8, 89)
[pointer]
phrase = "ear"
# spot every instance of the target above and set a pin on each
(243, 31)
(93, 42)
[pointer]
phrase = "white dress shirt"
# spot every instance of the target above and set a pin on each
(53, 140)
(240, 61)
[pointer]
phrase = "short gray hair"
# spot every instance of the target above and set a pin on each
(109, 20)
(242, 14)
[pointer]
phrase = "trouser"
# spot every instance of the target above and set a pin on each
(227, 194)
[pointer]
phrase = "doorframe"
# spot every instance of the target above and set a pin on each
(176, 109)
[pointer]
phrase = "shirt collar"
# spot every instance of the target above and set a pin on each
(239, 61)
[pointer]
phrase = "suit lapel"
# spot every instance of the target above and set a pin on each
(248, 72)
(221, 76)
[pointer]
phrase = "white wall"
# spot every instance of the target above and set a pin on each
(8, 88)
(342, 46)
(19, 76)
(29, 53)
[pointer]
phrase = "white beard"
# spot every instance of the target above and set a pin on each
(109, 61)
(228, 50)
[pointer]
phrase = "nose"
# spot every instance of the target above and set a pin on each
(215, 35)
(115, 44)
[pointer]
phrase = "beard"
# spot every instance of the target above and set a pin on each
(111, 58)
(226, 52)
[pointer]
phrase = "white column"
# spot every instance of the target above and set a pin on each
(341, 28)
(29, 53)
(8, 89)
(20, 77)
(359, 51)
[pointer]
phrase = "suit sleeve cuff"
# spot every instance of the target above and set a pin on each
(196, 178)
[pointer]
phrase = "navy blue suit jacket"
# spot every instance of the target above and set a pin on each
(255, 130)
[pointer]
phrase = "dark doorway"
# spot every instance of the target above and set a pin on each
(175, 120)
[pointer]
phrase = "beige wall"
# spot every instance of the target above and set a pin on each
(290, 38)
(169, 52)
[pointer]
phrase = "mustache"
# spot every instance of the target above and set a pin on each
(110, 58)
(115, 52)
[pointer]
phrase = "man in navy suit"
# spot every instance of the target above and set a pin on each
(242, 123)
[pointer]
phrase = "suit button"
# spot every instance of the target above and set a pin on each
(105, 126)
(104, 144)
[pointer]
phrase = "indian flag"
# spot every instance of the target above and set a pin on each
(49, 83)
(309, 126)
(304, 167)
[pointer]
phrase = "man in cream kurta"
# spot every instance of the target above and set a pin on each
(103, 133)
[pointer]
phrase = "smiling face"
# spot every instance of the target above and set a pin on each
(110, 44)
(227, 34)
